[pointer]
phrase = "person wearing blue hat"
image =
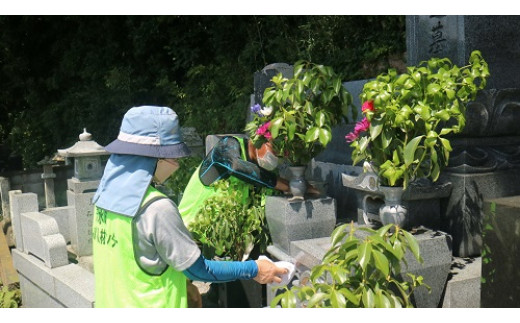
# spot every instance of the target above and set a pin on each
(142, 251)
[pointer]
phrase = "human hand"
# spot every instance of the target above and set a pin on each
(268, 272)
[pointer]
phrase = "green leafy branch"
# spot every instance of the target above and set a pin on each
(413, 113)
(359, 273)
(232, 221)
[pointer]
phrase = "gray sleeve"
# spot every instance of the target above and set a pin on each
(162, 239)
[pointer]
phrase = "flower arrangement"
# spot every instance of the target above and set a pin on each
(407, 117)
(299, 112)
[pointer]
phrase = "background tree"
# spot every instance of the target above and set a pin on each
(59, 74)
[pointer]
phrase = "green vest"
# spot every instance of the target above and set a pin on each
(196, 193)
(120, 282)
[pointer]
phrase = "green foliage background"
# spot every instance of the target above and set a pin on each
(59, 74)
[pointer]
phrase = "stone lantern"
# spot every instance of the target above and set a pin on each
(81, 189)
(87, 157)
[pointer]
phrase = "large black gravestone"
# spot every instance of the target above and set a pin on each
(485, 162)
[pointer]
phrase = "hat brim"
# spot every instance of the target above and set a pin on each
(166, 151)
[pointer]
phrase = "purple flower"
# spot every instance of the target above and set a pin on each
(256, 110)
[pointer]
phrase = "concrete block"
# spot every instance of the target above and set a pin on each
(297, 220)
(435, 249)
(77, 186)
(35, 270)
(21, 203)
(463, 286)
(62, 216)
(74, 286)
(80, 222)
(34, 297)
(65, 286)
(42, 239)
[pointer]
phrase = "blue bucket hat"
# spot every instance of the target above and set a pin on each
(147, 133)
(150, 131)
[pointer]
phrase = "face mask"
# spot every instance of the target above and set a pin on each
(269, 161)
(165, 168)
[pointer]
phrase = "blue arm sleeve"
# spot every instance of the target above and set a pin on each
(221, 271)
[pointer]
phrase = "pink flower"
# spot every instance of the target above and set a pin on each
(360, 127)
(368, 105)
(263, 130)
(351, 137)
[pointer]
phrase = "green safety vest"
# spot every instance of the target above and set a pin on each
(196, 193)
(120, 282)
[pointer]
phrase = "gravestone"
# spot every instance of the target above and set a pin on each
(485, 161)
(262, 79)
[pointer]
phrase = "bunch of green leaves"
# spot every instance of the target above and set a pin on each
(305, 108)
(232, 221)
(413, 113)
(10, 297)
(359, 273)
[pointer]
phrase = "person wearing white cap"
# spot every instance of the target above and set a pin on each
(142, 251)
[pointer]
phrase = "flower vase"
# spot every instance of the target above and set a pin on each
(297, 183)
(393, 211)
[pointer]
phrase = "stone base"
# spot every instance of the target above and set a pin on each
(65, 286)
(464, 214)
(435, 248)
(463, 286)
(297, 220)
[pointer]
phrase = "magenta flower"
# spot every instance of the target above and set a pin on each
(360, 127)
(263, 130)
(351, 137)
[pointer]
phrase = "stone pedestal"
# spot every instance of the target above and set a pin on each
(463, 287)
(435, 248)
(79, 197)
(422, 200)
(501, 253)
(464, 213)
(297, 220)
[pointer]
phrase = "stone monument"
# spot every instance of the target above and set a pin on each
(54, 246)
(81, 189)
(485, 162)
(48, 277)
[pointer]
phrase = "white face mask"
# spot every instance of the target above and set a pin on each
(165, 168)
(268, 162)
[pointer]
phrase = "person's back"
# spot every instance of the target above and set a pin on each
(143, 253)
